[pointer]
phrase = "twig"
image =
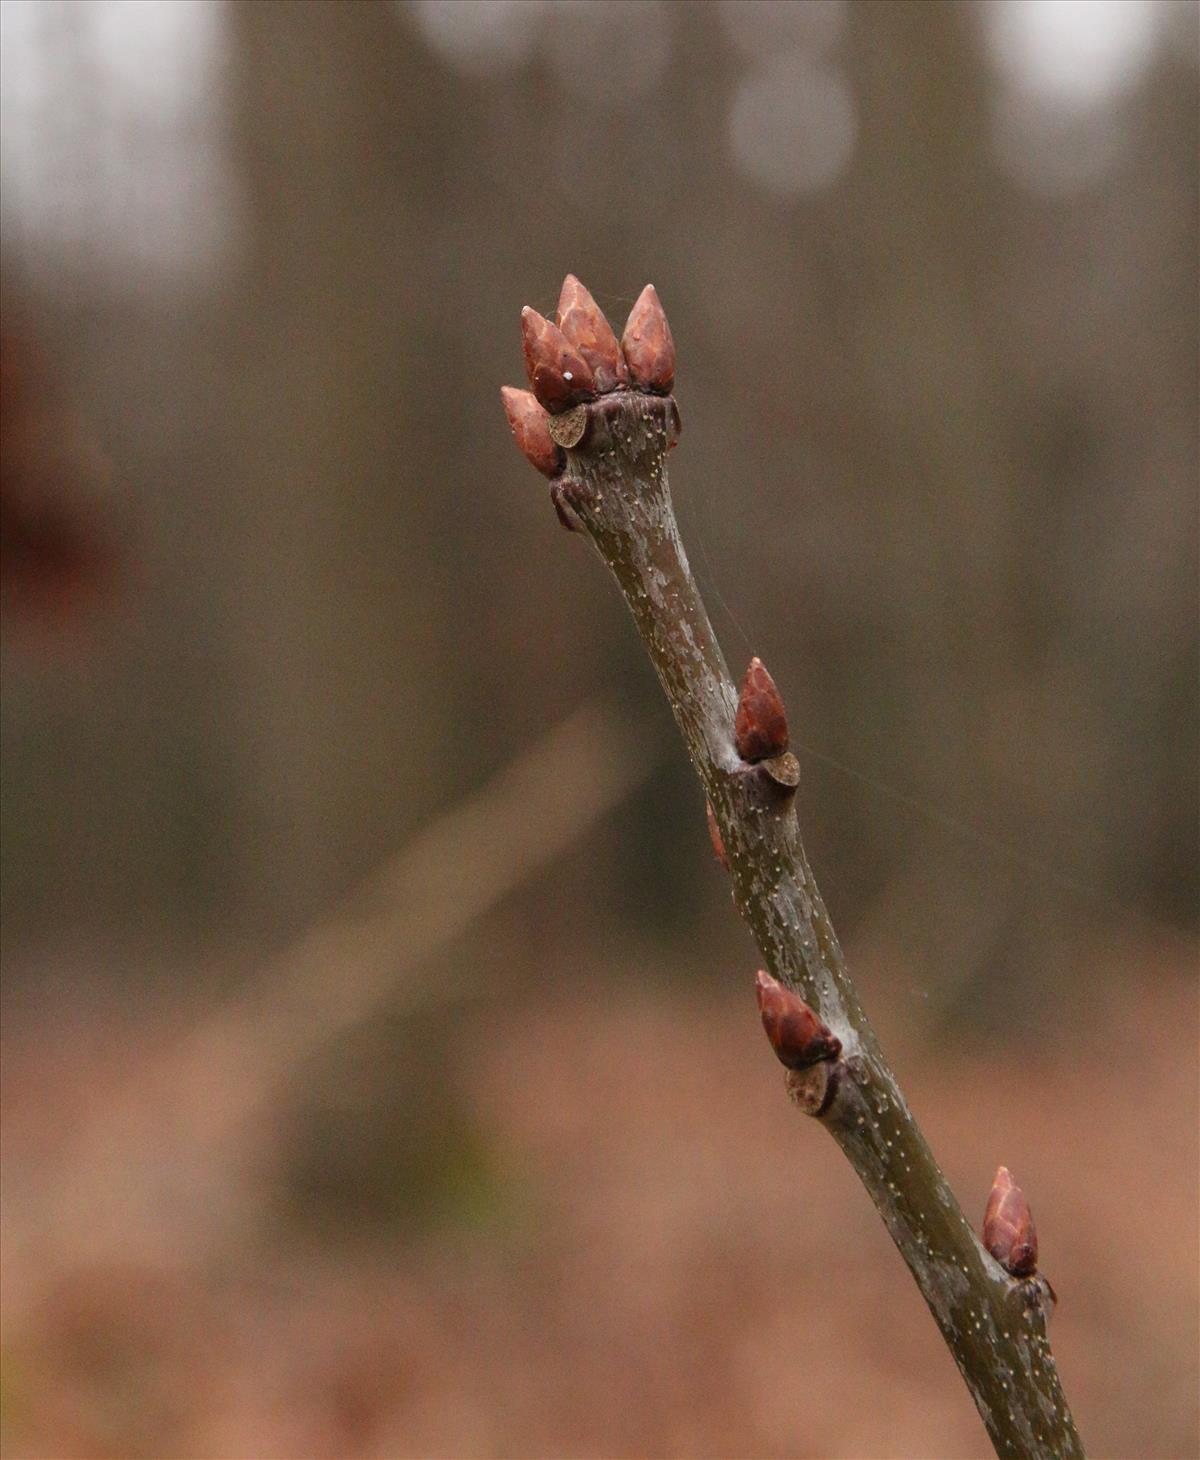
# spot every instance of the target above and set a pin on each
(604, 448)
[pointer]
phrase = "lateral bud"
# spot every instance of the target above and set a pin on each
(760, 730)
(648, 345)
(583, 325)
(798, 1037)
(560, 376)
(1008, 1230)
(714, 836)
(530, 427)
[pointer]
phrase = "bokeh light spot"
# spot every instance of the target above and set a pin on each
(792, 126)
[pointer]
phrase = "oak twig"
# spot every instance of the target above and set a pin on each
(605, 448)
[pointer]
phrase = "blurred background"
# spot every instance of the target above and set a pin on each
(381, 1069)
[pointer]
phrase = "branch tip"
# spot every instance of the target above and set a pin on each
(530, 427)
(560, 376)
(798, 1037)
(760, 731)
(584, 326)
(613, 486)
(1008, 1230)
(648, 345)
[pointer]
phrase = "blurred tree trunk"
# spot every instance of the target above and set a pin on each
(333, 610)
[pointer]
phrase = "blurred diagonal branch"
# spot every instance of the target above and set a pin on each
(448, 876)
(146, 1159)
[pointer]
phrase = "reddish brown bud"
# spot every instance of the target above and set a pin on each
(648, 345)
(714, 836)
(528, 422)
(1008, 1230)
(584, 326)
(559, 375)
(760, 730)
(797, 1035)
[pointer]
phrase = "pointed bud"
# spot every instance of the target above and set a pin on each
(760, 730)
(797, 1035)
(1008, 1230)
(560, 376)
(648, 345)
(714, 836)
(584, 326)
(528, 423)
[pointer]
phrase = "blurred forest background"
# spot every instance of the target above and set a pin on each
(381, 1069)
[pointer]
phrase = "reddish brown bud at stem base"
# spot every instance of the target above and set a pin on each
(559, 375)
(528, 422)
(797, 1036)
(584, 326)
(648, 345)
(1008, 1230)
(714, 836)
(760, 730)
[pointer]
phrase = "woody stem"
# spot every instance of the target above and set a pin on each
(615, 482)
